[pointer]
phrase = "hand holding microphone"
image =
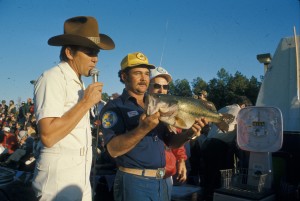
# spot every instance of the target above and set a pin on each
(94, 73)
(93, 92)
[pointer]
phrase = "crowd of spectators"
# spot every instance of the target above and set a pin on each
(19, 143)
(18, 135)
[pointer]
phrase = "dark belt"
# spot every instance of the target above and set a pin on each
(157, 173)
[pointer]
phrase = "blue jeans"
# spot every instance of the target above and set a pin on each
(129, 187)
(169, 182)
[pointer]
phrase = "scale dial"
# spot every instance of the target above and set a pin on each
(259, 129)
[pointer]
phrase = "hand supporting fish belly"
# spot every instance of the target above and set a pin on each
(197, 127)
(181, 112)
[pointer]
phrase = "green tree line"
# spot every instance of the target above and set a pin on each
(221, 90)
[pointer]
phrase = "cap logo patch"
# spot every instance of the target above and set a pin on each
(109, 119)
(140, 56)
(161, 70)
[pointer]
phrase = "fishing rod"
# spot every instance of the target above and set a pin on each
(297, 63)
(164, 43)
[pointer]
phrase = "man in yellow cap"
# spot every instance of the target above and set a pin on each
(136, 140)
(62, 107)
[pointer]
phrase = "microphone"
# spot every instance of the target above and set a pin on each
(94, 73)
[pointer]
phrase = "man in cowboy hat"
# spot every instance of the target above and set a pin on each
(62, 107)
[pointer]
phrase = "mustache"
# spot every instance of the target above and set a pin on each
(142, 83)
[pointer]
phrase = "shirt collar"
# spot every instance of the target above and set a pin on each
(68, 70)
(126, 97)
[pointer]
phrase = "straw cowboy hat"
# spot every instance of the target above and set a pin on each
(82, 31)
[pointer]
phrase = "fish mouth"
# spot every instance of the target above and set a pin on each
(165, 112)
(149, 103)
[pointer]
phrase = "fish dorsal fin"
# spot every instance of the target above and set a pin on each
(209, 105)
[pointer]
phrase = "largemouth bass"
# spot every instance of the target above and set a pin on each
(181, 112)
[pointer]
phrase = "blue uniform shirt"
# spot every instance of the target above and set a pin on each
(122, 115)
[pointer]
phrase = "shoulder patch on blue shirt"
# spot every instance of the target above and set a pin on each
(109, 119)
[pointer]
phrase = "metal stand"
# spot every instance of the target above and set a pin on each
(95, 154)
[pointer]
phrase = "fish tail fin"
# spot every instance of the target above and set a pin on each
(225, 121)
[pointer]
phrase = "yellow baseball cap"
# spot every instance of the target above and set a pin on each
(135, 59)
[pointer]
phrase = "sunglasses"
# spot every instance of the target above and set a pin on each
(159, 86)
(89, 51)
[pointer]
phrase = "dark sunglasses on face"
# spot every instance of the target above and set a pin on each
(159, 86)
(89, 51)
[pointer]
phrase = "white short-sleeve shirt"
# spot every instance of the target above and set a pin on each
(56, 91)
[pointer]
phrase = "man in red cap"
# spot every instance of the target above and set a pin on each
(62, 105)
(10, 140)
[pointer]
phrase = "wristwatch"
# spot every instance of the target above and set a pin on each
(192, 137)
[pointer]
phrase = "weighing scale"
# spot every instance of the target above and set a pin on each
(259, 131)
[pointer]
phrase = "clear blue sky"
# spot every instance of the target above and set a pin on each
(194, 38)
